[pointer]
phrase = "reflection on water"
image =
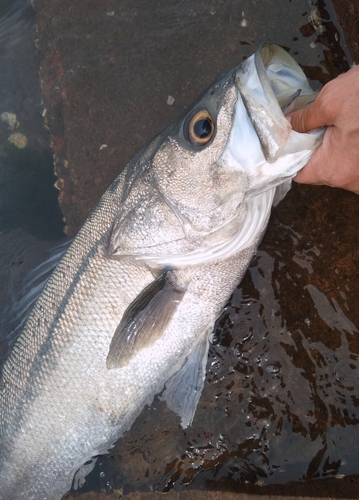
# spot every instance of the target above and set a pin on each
(281, 398)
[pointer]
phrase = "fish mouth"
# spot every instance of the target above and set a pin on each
(270, 84)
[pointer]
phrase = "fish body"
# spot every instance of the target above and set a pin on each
(128, 310)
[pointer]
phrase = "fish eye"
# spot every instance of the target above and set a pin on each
(199, 128)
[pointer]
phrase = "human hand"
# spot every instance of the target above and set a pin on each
(336, 162)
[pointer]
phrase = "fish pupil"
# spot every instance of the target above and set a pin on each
(203, 128)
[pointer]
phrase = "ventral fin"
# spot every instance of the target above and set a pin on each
(145, 319)
(184, 388)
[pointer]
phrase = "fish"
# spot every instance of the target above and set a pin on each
(129, 308)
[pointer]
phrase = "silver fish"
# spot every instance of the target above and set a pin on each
(128, 310)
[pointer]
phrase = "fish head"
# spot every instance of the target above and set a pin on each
(187, 199)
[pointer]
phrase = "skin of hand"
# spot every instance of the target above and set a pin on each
(336, 162)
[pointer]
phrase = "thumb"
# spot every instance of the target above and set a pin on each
(305, 119)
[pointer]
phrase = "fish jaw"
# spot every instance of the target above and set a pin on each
(262, 141)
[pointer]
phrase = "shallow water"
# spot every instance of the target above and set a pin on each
(280, 401)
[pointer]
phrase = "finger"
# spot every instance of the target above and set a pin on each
(307, 119)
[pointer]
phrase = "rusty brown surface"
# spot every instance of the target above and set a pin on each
(348, 16)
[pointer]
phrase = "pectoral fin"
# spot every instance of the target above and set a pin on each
(145, 319)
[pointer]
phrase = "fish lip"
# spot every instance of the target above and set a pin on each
(261, 142)
(255, 82)
(261, 104)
